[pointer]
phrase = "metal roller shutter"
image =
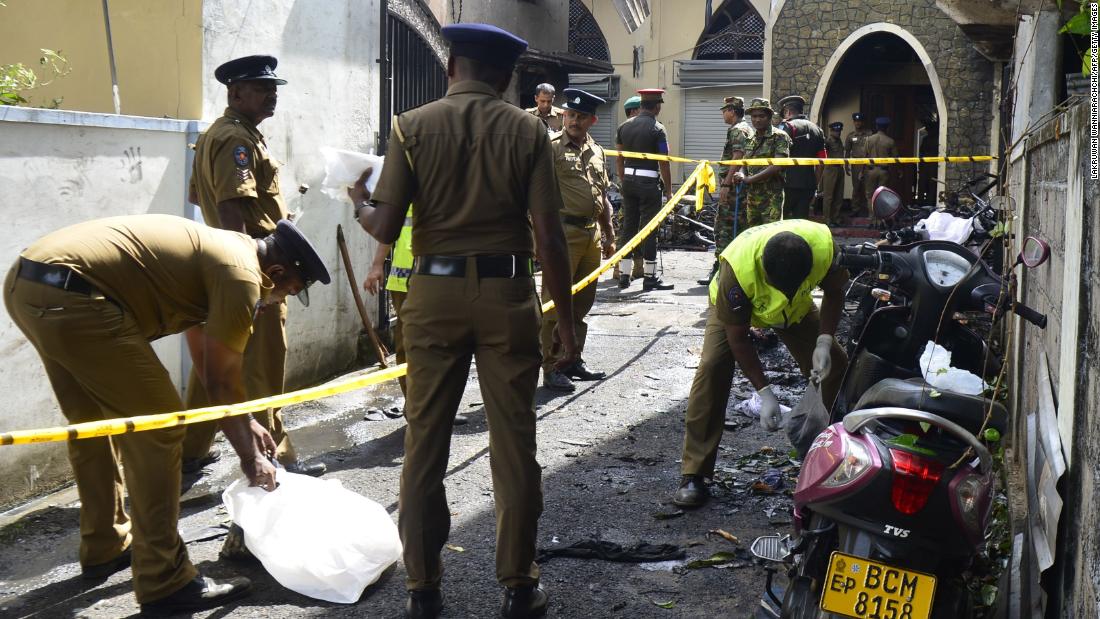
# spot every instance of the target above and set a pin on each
(607, 121)
(704, 130)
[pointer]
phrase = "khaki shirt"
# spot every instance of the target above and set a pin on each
(834, 147)
(582, 175)
(552, 120)
(476, 167)
(232, 161)
(854, 144)
(880, 145)
(168, 272)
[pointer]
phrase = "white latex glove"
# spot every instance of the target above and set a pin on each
(822, 358)
(771, 417)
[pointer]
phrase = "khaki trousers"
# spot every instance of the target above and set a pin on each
(874, 178)
(832, 192)
(584, 257)
(263, 368)
(398, 299)
(859, 193)
(448, 321)
(101, 367)
(710, 390)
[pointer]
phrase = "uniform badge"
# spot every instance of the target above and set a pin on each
(240, 155)
(244, 174)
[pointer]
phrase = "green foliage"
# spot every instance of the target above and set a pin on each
(16, 79)
(1079, 25)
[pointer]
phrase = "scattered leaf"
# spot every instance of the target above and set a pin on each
(455, 548)
(666, 604)
(726, 535)
(668, 515)
(717, 558)
(992, 435)
(575, 443)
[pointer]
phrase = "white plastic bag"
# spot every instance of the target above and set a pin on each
(750, 407)
(935, 364)
(314, 536)
(343, 167)
(946, 227)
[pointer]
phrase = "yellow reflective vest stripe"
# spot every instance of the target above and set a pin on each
(402, 263)
(770, 307)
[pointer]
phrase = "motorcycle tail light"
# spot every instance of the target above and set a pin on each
(853, 464)
(968, 494)
(914, 480)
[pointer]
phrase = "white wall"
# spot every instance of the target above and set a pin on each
(56, 169)
(327, 52)
(59, 168)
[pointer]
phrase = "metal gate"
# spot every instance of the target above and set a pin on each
(412, 74)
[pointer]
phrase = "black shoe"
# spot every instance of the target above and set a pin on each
(424, 604)
(557, 381)
(692, 492)
(522, 602)
(316, 469)
(199, 594)
(653, 283)
(102, 571)
(460, 420)
(624, 281)
(191, 466)
(578, 371)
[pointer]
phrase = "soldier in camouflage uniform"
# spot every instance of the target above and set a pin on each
(762, 186)
(733, 112)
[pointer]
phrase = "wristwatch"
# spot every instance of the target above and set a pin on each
(359, 207)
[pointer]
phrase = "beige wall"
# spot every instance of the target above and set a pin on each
(158, 48)
(669, 34)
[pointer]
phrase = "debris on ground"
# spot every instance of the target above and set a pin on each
(641, 552)
(726, 535)
(722, 560)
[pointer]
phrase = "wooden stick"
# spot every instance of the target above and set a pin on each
(379, 349)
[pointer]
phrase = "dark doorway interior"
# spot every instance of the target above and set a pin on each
(881, 75)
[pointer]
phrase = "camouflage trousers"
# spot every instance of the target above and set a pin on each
(760, 204)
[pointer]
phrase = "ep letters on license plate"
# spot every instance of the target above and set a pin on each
(858, 587)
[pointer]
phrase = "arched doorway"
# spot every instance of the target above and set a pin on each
(585, 37)
(882, 70)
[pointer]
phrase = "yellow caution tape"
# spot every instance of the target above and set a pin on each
(141, 423)
(805, 161)
(702, 178)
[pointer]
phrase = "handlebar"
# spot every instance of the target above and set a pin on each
(1030, 315)
(859, 260)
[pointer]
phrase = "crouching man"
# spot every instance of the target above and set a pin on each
(765, 279)
(90, 298)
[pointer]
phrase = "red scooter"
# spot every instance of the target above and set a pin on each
(894, 497)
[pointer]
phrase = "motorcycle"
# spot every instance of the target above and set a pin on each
(894, 497)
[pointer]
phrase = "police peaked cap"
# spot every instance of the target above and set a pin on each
(484, 43)
(789, 99)
(247, 69)
(857, 116)
(300, 253)
(581, 101)
(836, 125)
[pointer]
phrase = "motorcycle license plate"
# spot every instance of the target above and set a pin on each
(858, 587)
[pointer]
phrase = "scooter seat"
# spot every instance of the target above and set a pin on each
(969, 411)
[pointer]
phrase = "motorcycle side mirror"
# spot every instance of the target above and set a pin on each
(1035, 252)
(886, 203)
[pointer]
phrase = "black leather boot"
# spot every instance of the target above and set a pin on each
(523, 602)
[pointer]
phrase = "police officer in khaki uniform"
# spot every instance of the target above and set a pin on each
(854, 148)
(480, 173)
(766, 279)
(832, 179)
(582, 177)
(235, 181)
(644, 183)
(545, 110)
(878, 175)
(90, 298)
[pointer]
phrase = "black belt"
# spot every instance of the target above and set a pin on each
(580, 222)
(56, 275)
(487, 266)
